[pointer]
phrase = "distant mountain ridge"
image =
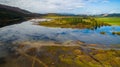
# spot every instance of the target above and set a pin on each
(109, 15)
(114, 15)
(10, 15)
(15, 9)
(83, 15)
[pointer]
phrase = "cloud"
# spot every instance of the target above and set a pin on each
(44, 5)
(97, 1)
(47, 6)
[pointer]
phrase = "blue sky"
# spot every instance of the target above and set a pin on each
(67, 6)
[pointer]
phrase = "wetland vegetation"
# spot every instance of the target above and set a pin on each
(90, 41)
(117, 33)
(55, 54)
(74, 22)
(60, 55)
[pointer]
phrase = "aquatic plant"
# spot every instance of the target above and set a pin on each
(63, 56)
(102, 32)
(117, 33)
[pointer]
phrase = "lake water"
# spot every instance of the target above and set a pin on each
(26, 31)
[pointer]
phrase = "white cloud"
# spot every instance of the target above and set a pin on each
(98, 1)
(44, 6)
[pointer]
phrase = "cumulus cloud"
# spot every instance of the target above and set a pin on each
(46, 6)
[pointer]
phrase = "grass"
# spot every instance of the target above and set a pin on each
(102, 33)
(74, 22)
(64, 56)
(110, 20)
(117, 33)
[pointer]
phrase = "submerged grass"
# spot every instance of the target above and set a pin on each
(103, 33)
(61, 56)
(64, 56)
(117, 33)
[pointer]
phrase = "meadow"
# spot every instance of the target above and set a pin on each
(110, 20)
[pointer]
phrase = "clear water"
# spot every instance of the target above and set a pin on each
(27, 31)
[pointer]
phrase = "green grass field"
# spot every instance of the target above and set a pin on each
(110, 20)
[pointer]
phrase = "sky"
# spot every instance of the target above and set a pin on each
(67, 6)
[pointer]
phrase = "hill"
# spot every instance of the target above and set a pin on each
(10, 15)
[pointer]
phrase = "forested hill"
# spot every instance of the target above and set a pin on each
(10, 15)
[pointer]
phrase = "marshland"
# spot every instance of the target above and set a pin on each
(48, 34)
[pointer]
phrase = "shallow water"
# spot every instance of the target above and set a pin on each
(26, 31)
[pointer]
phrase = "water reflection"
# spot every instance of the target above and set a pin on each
(27, 31)
(5, 23)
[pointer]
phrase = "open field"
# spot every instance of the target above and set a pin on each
(110, 20)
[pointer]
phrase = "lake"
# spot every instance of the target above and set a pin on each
(28, 31)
